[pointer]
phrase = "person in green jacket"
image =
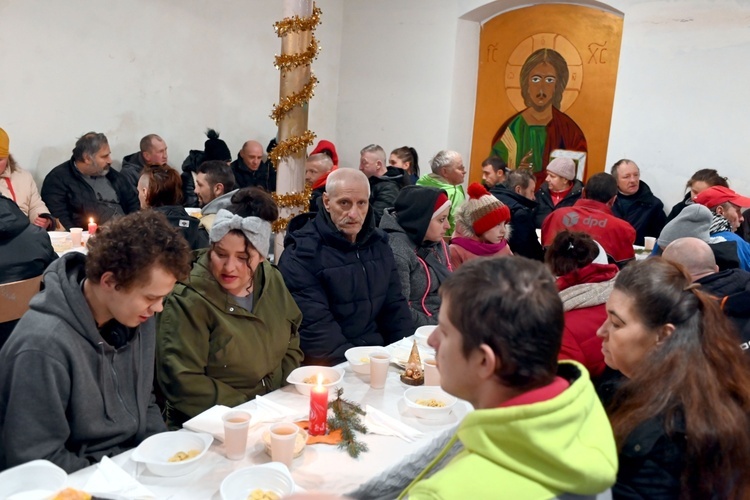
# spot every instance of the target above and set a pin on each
(230, 332)
(448, 174)
(538, 430)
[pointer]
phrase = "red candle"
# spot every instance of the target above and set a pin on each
(92, 226)
(319, 409)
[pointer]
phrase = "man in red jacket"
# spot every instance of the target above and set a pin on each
(592, 214)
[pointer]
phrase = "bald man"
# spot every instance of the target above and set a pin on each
(342, 274)
(250, 170)
(699, 261)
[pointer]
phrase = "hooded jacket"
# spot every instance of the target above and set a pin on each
(349, 293)
(584, 293)
(73, 201)
(530, 451)
(643, 211)
(190, 227)
(228, 355)
(210, 209)
(318, 188)
(421, 267)
(328, 148)
(455, 194)
(66, 395)
(384, 191)
(523, 240)
(25, 249)
(264, 177)
(547, 206)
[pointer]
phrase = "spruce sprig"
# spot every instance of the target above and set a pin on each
(346, 416)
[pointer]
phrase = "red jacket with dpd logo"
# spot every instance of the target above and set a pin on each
(595, 218)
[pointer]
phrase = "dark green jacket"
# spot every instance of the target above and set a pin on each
(211, 351)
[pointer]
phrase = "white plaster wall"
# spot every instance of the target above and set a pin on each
(173, 67)
(393, 72)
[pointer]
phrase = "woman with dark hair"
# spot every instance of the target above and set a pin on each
(584, 286)
(406, 158)
(700, 181)
(160, 188)
(681, 419)
(229, 332)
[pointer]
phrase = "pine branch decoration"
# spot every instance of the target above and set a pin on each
(346, 416)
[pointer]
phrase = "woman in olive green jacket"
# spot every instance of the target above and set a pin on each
(229, 332)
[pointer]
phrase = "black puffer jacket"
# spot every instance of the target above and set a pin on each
(643, 210)
(523, 240)
(73, 201)
(264, 177)
(196, 236)
(546, 206)
(189, 168)
(25, 249)
(384, 190)
(349, 293)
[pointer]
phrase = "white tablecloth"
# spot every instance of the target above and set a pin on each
(321, 467)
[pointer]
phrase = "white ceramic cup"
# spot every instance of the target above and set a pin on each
(431, 372)
(379, 362)
(648, 243)
(236, 424)
(283, 437)
(75, 236)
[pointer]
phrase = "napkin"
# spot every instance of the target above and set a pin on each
(267, 411)
(109, 479)
(378, 422)
(209, 422)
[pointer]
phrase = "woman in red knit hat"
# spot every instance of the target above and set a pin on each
(482, 227)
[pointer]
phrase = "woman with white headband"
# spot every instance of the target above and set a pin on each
(228, 333)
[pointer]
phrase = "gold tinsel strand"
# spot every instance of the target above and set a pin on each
(291, 146)
(297, 99)
(296, 23)
(286, 62)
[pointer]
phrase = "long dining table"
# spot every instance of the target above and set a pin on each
(321, 467)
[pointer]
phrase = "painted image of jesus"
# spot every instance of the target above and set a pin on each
(527, 138)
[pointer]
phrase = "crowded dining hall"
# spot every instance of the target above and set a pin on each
(373, 250)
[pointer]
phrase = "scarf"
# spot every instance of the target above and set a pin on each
(719, 224)
(478, 247)
(586, 295)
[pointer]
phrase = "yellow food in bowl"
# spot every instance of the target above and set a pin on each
(364, 360)
(431, 403)
(314, 380)
(262, 495)
(181, 456)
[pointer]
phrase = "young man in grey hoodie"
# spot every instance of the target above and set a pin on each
(76, 375)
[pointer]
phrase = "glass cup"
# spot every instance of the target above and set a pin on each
(379, 369)
(75, 236)
(236, 424)
(431, 373)
(283, 438)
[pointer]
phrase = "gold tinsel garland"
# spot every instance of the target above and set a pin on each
(297, 99)
(294, 144)
(285, 62)
(291, 146)
(296, 23)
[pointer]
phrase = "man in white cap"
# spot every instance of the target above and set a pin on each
(560, 188)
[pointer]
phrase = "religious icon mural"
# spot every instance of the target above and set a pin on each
(531, 96)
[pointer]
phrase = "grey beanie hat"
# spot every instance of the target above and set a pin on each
(694, 221)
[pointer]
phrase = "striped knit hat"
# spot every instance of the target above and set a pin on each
(482, 211)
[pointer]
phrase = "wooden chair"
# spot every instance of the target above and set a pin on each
(15, 297)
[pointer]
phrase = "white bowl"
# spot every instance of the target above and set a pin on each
(273, 476)
(359, 357)
(411, 396)
(423, 333)
(156, 450)
(298, 376)
(35, 480)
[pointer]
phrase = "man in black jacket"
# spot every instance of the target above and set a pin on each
(342, 274)
(153, 152)
(385, 182)
(636, 203)
(518, 194)
(250, 170)
(87, 187)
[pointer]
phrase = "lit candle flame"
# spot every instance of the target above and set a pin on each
(320, 380)
(91, 220)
